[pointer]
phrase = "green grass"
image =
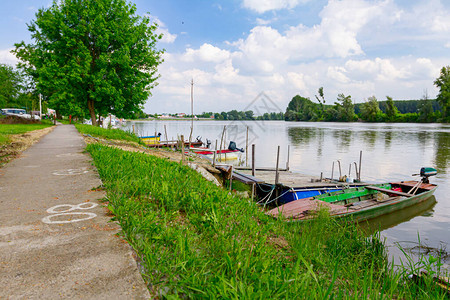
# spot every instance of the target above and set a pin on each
(113, 134)
(10, 129)
(196, 240)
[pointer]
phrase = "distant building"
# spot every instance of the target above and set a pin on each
(181, 115)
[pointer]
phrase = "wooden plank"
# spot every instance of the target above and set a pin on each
(371, 187)
(258, 169)
(247, 179)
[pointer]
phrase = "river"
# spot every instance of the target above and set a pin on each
(390, 152)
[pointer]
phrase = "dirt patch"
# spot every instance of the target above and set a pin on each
(20, 142)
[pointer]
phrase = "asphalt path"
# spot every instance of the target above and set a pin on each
(56, 238)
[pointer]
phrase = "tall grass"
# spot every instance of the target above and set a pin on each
(113, 134)
(196, 240)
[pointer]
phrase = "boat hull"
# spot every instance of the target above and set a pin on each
(357, 204)
(221, 155)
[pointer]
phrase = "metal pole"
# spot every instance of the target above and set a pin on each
(253, 159)
(40, 106)
(277, 175)
(360, 160)
(340, 171)
(332, 171)
(192, 113)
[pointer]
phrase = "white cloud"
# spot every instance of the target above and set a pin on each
(207, 53)
(337, 73)
(6, 57)
(381, 69)
(262, 6)
(297, 80)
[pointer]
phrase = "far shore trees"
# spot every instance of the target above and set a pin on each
(443, 83)
(92, 57)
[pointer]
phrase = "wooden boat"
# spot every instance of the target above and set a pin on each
(360, 203)
(232, 153)
(221, 155)
(151, 139)
(173, 144)
(154, 141)
(296, 193)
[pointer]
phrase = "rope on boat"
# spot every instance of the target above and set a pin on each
(277, 197)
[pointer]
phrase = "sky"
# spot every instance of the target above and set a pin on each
(235, 50)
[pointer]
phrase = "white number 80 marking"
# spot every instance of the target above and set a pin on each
(69, 212)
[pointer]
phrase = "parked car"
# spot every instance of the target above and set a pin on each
(18, 112)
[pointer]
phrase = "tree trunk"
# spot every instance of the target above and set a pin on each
(90, 103)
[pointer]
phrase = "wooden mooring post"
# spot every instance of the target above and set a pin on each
(182, 147)
(214, 157)
(246, 149)
(253, 159)
(287, 161)
(277, 174)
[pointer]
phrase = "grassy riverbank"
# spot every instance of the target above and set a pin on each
(6, 130)
(196, 240)
(113, 134)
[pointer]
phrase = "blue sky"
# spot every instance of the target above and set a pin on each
(238, 48)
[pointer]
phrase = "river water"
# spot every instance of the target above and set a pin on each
(390, 152)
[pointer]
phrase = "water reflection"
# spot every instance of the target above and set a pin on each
(370, 137)
(302, 135)
(387, 140)
(423, 138)
(442, 156)
(384, 222)
(343, 139)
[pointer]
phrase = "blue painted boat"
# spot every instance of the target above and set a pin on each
(296, 193)
(293, 194)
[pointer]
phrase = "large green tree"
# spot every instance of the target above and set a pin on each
(11, 85)
(92, 55)
(391, 110)
(443, 83)
(370, 110)
(345, 108)
(301, 109)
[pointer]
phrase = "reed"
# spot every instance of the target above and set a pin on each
(195, 240)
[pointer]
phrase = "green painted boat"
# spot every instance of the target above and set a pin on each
(360, 203)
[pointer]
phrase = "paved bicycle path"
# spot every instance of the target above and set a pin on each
(56, 240)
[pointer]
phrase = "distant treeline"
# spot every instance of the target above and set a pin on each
(241, 115)
(344, 110)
